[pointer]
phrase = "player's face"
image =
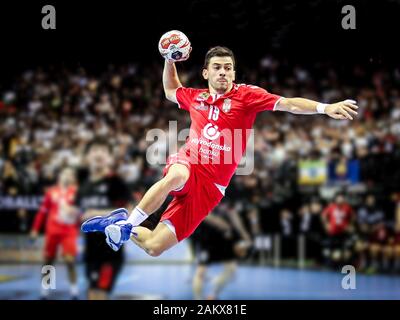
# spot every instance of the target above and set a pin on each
(220, 74)
(67, 177)
(99, 157)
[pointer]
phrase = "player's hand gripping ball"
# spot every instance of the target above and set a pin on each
(174, 46)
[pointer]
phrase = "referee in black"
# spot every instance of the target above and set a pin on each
(100, 192)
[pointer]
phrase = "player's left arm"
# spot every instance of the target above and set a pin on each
(341, 110)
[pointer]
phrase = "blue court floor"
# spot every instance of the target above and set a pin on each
(173, 281)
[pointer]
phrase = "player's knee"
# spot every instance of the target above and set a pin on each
(176, 179)
(154, 249)
(154, 252)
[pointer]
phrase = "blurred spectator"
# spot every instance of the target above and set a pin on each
(61, 222)
(372, 219)
(100, 192)
(288, 232)
(368, 216)
(310, 225)
(338, 218)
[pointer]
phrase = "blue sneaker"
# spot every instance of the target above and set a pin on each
(99, 223)
(117, 235)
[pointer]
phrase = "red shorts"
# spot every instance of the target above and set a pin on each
(193, 202)
(68, 242)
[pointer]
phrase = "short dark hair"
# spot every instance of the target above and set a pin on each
(218, 52)
(99, 141)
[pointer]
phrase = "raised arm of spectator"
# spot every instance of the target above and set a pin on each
(341, 110)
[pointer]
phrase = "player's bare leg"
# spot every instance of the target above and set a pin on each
(119, 227)
(222, 279)
(154, 242)
(198, 282)
(176, 177)
(161, 238)
(72, 275)
(152, 200)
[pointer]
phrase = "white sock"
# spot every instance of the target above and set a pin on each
(133, 232)
(73, 289)
(137, 217)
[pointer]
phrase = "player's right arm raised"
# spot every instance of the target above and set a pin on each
(170, 81)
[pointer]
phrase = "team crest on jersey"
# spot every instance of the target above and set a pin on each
(226, 107)
(203, 96)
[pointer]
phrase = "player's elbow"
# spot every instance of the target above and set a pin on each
(168, 95)
(283, 105)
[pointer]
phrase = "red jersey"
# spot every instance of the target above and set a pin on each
(58, 221)
(339, 217)
(221, 126)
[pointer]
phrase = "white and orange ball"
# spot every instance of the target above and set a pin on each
(174, 45)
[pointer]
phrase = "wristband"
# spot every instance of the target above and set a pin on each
(321, 107)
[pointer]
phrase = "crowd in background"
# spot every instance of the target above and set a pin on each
(47, 116)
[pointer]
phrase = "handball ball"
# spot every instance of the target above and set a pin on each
(174, 45)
